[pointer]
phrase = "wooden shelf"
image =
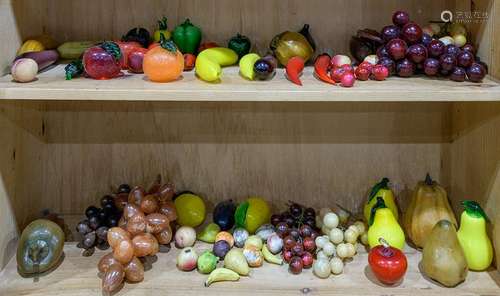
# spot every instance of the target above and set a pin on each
(77, 275)
(52, 86)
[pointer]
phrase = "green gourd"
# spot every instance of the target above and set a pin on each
(383, 224)
(473, 238)
(40, 247)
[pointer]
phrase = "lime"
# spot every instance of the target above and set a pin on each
(190, 210)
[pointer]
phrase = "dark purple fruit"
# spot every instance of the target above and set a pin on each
(397, 48)
(102, 245)
(112, 221)
(298, 249)
(102, 232)
(483, 64)
(431, 67)
(310, 221)
(221, 248)
(412, 33)
(94, 222)
(426, 39)
(382, 52)
(476, 72)
(436, 48)
(448, 62)
(458, 74)
(470, 48)
(452, 49)
(289, 220)
(282, 229)
(89, 240)
(465, 59)
(83, 227)
(310, 212)
(294, 233)
(405, 68)
(444, 73)
(305, 231)
(417, 53)
(295, 210)
(92, 211)
(223, 214)
(390, 32)
(107, 199)
(124, 188)
(263, 69)
(275, 219)
(389, 64)
(400, 18)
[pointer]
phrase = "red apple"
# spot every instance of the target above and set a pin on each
(387, 263)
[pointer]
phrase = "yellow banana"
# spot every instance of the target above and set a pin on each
(221, 274)
(246, 65)
(209, 62)
(270, 257)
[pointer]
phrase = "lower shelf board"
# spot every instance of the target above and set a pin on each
(78, 275)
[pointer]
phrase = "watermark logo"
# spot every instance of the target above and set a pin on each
(468, 17)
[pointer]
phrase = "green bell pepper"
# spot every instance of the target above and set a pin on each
(240, 44)
(187, 37)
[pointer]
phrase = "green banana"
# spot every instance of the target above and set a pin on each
(270, 257)
(221, 274)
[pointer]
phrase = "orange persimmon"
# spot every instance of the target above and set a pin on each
(163, 63)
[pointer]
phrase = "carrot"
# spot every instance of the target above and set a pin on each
(294, 69)
(321, 68)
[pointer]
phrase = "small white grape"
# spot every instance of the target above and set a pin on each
(331, 220)
(351, 250)
(343, 251)
(329, 249)
(336, 265)
(321, 268)
(351, 236)
(321, 241)
(361, 227)
(336, 236)
(364, 239)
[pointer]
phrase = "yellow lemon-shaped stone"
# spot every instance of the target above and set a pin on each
(190, 210)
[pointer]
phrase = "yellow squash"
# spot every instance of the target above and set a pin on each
(384, 225)
(473, 237)
(381, 189)
(30, 46)
(429, 205)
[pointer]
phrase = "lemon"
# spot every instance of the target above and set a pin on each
(252, 213)
(190, 210)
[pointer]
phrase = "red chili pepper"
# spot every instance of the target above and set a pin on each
(189, 61)
(294, 68)
(321, 66)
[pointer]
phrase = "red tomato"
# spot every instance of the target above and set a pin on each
(206, 45)
(387, 263)
(189, 61)
(126, 48)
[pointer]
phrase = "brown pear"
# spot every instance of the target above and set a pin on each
(443, 259)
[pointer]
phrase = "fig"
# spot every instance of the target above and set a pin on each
(240, 236)
(274, 244)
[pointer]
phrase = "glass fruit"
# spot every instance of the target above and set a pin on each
(465, 59)
(431, 67)
(405, 68)
(390, 32)
(412, 33)
(397, 48)
(417, 53)
(190, 210)
(436, 48)
(163, 63)
(458, 74)
(476, 72)
(400, 18)
(103, 61)
(448, 62)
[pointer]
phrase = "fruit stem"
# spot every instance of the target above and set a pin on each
(383, 242)
(428, 180)
(473, 209)
(383, 184)
(379, 205)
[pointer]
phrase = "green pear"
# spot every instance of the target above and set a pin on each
(208, 233)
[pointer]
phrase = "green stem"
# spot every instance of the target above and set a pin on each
(473, 209)
(383, 184)
(379, 205)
